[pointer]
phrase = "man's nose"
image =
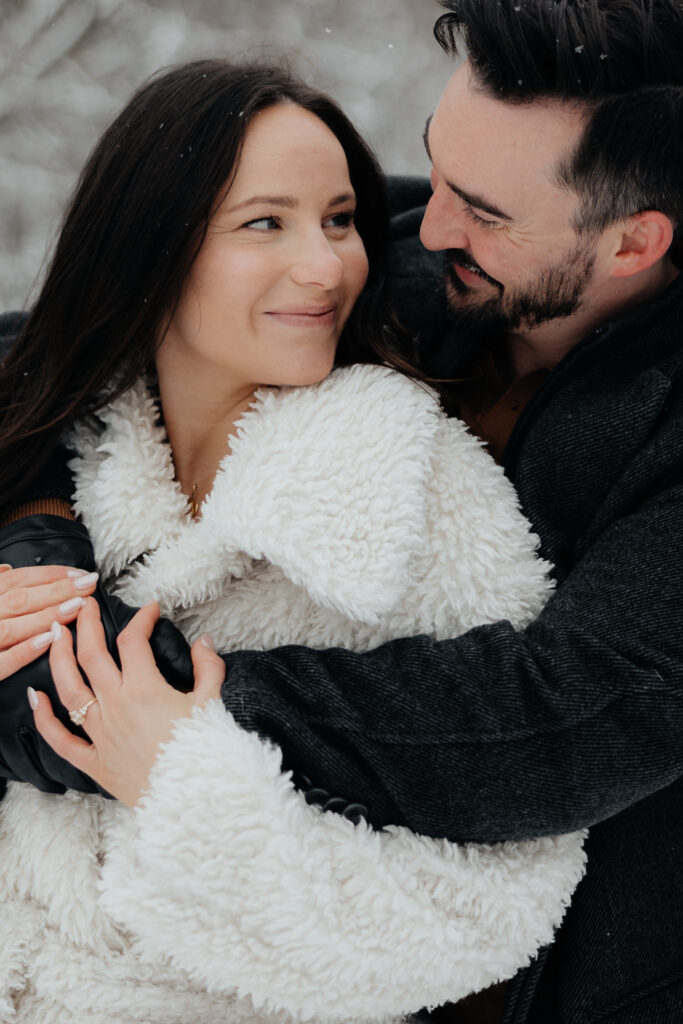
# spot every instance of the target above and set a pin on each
(443, 225)
(318, 263)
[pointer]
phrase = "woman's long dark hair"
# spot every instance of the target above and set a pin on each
(130, 235)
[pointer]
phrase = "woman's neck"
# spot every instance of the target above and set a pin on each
(200, 411)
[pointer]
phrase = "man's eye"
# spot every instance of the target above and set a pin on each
(479, 220)
(263, 224)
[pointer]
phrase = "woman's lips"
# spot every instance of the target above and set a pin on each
(305, 317)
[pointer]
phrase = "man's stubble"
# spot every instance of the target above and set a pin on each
(556, 293)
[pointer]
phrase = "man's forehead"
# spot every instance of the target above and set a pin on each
(472, 198)
(495, 148)
(465, 97)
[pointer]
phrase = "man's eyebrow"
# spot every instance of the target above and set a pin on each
(472, 200)
(285, 201)
(425, 137)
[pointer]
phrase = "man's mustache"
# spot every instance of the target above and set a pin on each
(462, 258)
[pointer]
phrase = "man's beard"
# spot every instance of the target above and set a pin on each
(555, 294)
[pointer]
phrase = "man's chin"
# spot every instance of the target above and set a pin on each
(469, 312)
(461, 297)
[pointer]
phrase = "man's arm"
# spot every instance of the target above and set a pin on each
(499, 734)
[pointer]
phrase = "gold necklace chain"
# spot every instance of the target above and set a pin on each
(192, 504)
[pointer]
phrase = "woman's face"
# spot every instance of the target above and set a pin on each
(282, 263)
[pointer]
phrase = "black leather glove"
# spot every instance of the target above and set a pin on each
(24, 754)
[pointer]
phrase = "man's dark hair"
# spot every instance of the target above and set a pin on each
(622, 60)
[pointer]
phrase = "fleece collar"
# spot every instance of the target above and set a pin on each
(325, 482)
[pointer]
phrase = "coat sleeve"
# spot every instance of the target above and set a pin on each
(500, 733)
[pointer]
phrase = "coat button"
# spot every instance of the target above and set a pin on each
(338, 804)
(354, 812)
(317, 796)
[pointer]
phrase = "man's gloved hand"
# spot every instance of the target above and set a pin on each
(24, 755)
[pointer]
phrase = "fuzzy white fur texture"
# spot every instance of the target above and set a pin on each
(347, 513)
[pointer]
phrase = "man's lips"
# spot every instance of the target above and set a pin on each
(305, 316)
(469, 274)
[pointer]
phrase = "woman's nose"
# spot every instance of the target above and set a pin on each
(318, 263)
(442, 225)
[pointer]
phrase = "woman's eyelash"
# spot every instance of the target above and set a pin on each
(270, 221)
(339, 220)
(344, 219)
(479, 220)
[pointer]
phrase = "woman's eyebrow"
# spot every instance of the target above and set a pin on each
(477, 201)
(285, 201)
(265, 200)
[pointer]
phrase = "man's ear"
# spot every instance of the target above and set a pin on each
(640, 242)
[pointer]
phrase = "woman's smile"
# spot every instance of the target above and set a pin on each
(307, 317)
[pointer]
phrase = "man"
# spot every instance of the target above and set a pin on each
(556, 155)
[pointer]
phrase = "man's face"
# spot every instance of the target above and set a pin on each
(513, 260)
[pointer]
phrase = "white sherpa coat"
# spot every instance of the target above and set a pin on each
(347, 513)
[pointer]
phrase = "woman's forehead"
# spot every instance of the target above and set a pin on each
(289, 145)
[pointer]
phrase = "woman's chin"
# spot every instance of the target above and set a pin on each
(304, 376)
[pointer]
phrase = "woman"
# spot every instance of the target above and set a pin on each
(224, 249)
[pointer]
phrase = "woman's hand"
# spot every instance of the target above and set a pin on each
(134, 708)
(31, 600)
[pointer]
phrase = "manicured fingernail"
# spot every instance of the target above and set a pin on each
(5, 566)
(75, 573)
(32, 697)
(207, 641)
(86, 581)
(71, 605)
(41, 641)
(56, 630)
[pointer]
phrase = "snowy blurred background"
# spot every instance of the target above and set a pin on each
(67, 67)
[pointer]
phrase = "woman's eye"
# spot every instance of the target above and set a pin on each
(341, 220)
(479, 220)
(262, 224)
